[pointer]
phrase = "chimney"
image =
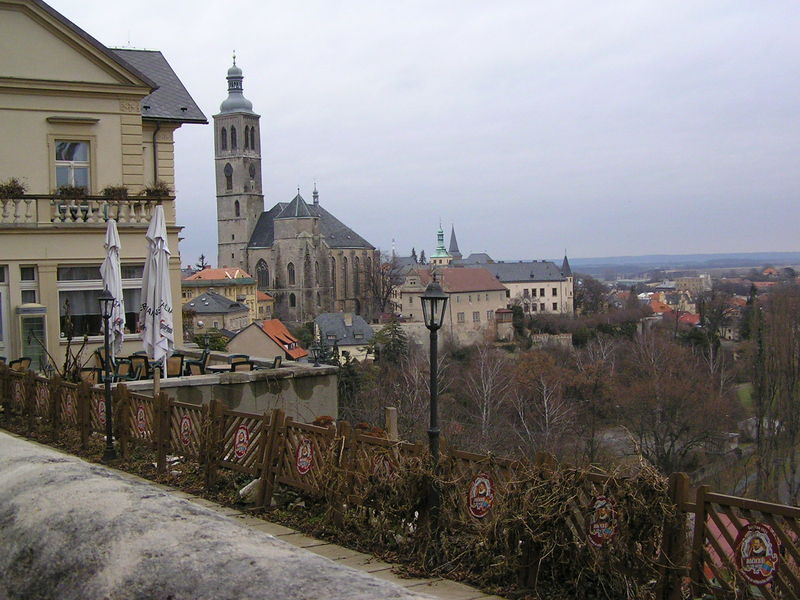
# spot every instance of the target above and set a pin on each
(348, 319)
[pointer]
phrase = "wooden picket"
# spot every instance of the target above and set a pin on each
(68, 404)
(41, 396)
(186, 429)
(466, 467)
(243, 438)
(142, 418)
(726, 528)
(305, 455)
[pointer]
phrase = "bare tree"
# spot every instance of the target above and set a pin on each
(486, 385)
(384, 280)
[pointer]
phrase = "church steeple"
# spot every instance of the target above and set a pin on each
(235, 102)
(566, 271)
(454, 252)
(440, 255)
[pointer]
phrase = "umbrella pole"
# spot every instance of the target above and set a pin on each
(156, 381)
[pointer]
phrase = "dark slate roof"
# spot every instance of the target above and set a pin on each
(336, 233)
(565, 268)
(333, 324)
(296, 209)
(453, 250)
(170, 101)
(524, 271)
(212, 303)
(477, 258)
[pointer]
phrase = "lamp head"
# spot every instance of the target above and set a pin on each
(106, 301)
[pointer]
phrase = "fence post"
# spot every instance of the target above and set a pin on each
(671, 569)
(5, 389)
(84, 418)
(56, 390)
(268, 468)
(122, 418)
(217, 424)
(390, 417)
(696, 565)
(345, 432)
(162, 408)
(29, 402)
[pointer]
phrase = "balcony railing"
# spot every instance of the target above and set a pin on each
(46, 210)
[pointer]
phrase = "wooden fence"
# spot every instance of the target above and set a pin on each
(718, 547)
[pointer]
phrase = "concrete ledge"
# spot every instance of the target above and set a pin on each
(73, 530)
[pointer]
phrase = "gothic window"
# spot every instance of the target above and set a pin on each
(246, 137)
(262, 274)
(319, 300)
(252, 138)
(316, 272)
(356, 276)
(344, 275)
(236, 208)
(233, 138)
(290, 273)
(333, 275)
(223, 139)
(228, 177)
(292, 300)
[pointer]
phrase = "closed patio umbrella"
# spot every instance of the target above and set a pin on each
(111, 273)
(155, 316)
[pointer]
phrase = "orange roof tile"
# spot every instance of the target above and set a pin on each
(224, 273)
(459, 280)
(276, 330)
(262, 296)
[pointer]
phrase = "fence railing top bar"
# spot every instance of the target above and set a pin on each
(229, 412)
(140, 396)
(292, 424)
(187, 405)
(379, 441)
(482, 458)
(755, 505)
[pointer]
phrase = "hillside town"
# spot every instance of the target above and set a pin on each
(499, 426)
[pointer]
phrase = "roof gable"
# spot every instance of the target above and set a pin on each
(38, 43)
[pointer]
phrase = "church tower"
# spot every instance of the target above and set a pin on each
(237, 158)
(440, 256)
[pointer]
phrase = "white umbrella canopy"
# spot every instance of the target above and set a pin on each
(155, 316)
(111, 273)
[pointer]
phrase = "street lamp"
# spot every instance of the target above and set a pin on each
(106, 306)
(315, 353)
(434, 302)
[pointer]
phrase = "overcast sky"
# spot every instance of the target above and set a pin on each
(606, 128)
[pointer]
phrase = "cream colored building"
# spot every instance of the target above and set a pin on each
(76, 113)
(474, 297)
(233, 283)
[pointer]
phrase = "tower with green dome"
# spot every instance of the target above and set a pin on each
(440, 256)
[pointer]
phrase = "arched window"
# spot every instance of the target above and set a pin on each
(223, 139)
(319, 300)
(333, 275)
(233, 138)
(236, 208)
(292, 300)
(246, 137)
(344, 276)
(316, 272)
(262, 274)
(290, 273)
(228, 177)
(252, 138)
(369, 267)
(356, 276)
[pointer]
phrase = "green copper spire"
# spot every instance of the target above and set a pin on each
(441, 251)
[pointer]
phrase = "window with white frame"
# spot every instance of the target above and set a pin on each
(476, 316)
(28, 284)
(72, 163)
(79, 288)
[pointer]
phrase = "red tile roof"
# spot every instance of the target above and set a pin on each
(458, 280)
(281, 336)
(224, 273)
(262, 296)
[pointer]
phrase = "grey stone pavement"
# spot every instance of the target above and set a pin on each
(436, 587)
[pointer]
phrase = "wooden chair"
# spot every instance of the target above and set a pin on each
(99, 360)
(175, 365)
(276, 362)
(23, 363)
(139, 362)
(91, 375)
(243, 365)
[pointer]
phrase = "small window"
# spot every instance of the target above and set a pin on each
(292, 300)
(290, 272)
(490, 315)
(331, 336)
(228, 176)
(72, 164)
(533, 307)
(358, 336)
(234, 143)
(555, 305)
(526, 293)
(476, 317)
(27, 273)
(236, 210)
(252, 138)
(28, 296)
(460, 317)
(246, 138)
(541, 292)
(541, 306)
(533, 292)
(232, 236)
(223, 139)
(555, 292)
(470, 298)
(319, 300)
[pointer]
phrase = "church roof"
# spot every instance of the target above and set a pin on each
(453, 250)
(335, 233)
(170, 101)
(296, 209)
(565, 268)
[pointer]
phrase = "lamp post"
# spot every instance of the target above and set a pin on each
(315, 352)
(106, 305)
(434, 302)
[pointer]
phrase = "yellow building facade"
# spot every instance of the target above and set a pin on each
(81, 118)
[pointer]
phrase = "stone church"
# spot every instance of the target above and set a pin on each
(304, 257)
